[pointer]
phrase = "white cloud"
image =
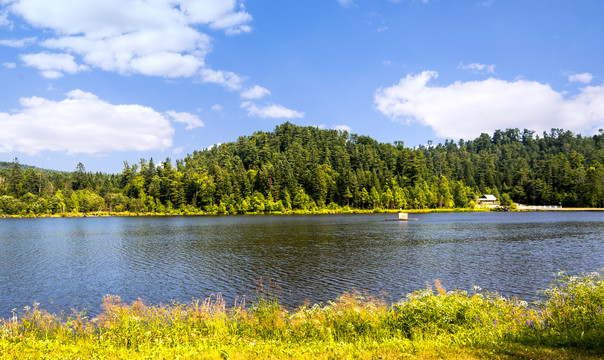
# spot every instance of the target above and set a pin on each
(4, 19)
(192, 121)
(255, 92)
(170, 52)
(466, 109)
(158, 37)
(270, 111)
(217, 107)
(178, 150)
(346, 3)
(217, 14)
(478, 68)
(51, 74)
(114, 17)
(229, 80)
(82, 123)
(172, 65)
(17, 43)
(584, 78)
(233, 23)
(9, 65)
(52, 66)
(212, 146)
(342, 128)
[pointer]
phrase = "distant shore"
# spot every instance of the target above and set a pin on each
(303, 212)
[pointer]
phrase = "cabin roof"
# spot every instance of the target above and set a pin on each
(488, 198)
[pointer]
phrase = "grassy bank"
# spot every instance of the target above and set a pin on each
(343, 210)
(324, 211)
(430, 323)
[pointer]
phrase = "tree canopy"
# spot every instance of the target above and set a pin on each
(306, 168)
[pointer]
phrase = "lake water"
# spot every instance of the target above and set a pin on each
(66, 263)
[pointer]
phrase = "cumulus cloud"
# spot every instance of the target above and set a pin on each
(82, 123)
(159, 38)
(9, 65)
(255, 92)
(229, 80)
(218, 14)
(584, 78)
(478, 68)
(192, 121)
(467, 109)
(52, 66)
(217, 107)
(270, 111)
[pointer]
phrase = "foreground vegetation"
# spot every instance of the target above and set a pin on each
(567, 324)
(311, 170)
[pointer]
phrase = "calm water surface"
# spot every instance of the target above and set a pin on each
(66, 263)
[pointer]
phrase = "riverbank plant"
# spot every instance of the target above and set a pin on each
(431, 323)
(338, 210)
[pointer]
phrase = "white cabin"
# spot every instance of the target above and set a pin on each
(488, 200)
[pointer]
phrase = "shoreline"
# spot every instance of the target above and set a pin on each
(302, 212)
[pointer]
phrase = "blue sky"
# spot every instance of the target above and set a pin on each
(100, 82)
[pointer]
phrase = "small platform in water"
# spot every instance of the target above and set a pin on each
(402, 217)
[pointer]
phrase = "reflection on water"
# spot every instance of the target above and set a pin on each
(66, 263)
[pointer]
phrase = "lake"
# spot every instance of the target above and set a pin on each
(66, 263)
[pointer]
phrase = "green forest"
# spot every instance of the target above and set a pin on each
(306, 169)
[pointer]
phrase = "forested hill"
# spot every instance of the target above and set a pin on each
(311, 169)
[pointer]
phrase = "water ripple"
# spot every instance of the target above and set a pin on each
(73, 263)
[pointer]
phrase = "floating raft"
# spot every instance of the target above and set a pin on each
(402, 217)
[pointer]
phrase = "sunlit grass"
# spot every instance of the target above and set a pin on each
(429, 323)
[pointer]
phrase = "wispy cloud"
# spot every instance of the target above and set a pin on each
(346, 3)
(192, 121)
(229, 80)
(270, 111)
(485, 3)
(255, 92)
(17, 43)
(4, 19)
(477, 68)
(466, 109)
(584, 78)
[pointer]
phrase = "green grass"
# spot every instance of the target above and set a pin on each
(324, 211)
(431, 324)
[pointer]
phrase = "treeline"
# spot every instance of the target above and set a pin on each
(308, 169)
